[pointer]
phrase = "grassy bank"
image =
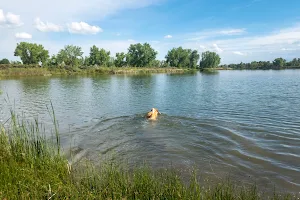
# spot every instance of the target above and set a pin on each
(19, 71)
(33, 167)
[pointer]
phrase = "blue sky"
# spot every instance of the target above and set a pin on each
(238, 30)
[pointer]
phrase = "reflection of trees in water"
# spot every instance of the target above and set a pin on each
(34, 85)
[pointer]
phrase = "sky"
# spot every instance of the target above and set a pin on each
(238, 30)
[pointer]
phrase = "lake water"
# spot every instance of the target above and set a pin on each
(242, 123)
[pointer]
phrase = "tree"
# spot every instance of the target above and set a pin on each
(179, 57)
(254, 65)
(99, 57)
(52, 62)
(140, 55)
(31, 53)
(154, 63)
(194, 59)
(120, 60)
(4, 61)
(111, 62)
(70, 55)
(209, 60)
(279, 62)
(86, 61)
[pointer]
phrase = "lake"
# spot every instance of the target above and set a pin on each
(245, 124)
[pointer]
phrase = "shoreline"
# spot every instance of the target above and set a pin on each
(38, 71)
(34, 71)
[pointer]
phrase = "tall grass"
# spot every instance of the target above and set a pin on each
(34, 71)
(17, 72)
(33, 167)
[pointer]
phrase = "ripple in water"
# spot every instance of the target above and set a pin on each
(216, 147)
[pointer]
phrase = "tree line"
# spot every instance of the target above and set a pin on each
(278, 63)
(137, 55)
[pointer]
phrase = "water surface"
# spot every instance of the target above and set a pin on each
(242, 123)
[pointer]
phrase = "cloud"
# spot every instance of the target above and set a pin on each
(217, 48)
(23, 35)
(83, 28)
(168, 36)
(288, 49)
(233, 32)
(10, 19)
(238, 53)
(202, 47)
(212, 34)
(47, 27)
(2, 17)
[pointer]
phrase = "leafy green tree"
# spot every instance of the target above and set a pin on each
(279, 62)
(4, 61)
(70, 55)
(163, 63)
(194, 59)
(154, 63)
(140, 55)
(254, 65)
(111, 62)
(31, 53)
(86, 61)
(293, 63)
(52, 62)
(182, 58)
(99, 56)
(120, 60)
(178, 57)
(209, 60)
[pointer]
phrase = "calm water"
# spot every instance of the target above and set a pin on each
(242, 123)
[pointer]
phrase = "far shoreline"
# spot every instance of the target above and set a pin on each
(37, 71)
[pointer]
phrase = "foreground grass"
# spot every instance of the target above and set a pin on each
(38, 71)
(34, 168)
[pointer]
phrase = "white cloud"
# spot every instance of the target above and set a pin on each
(131, 40)
(168, 36)
(288, 49)
(83, 28)
(217, 48)
(47, 27)
(238, 53)
(23, 35)
(202, 47)
(209, 34)
(2, 17)
(233, 32)
(13, 19)
(10, 19)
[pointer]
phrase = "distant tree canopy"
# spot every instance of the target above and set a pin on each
(120, 60)
(99, 56)
(31, 53)
(70, 55)
(278, 63)
(4, 61)
(183, 58)
(140, 55)
(137, 55)
(209, 60)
